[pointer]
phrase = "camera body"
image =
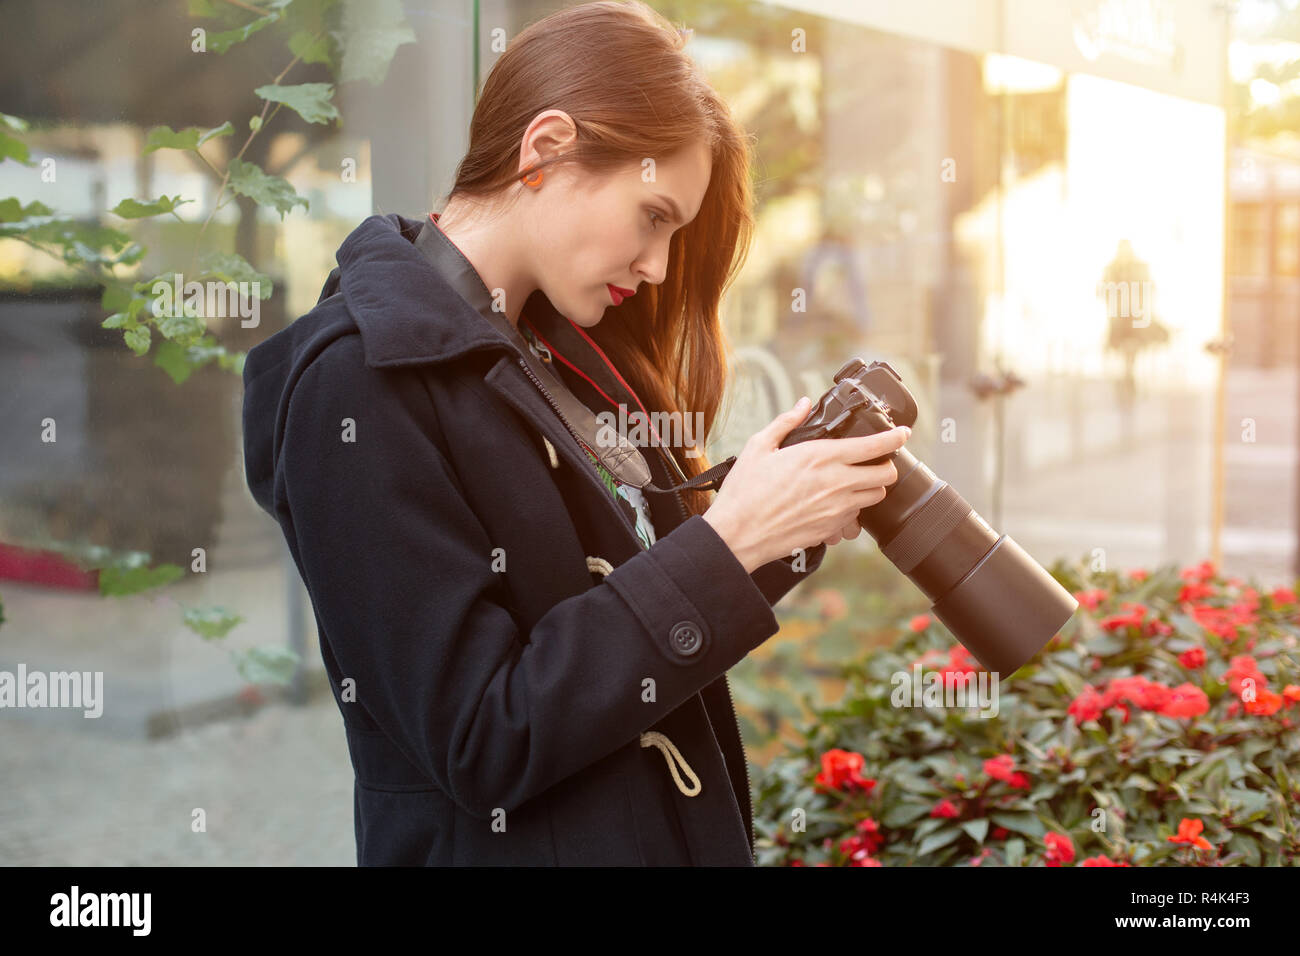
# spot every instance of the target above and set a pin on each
(865, 400)
(996, 599)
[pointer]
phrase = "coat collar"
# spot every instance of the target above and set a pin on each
(408, 313)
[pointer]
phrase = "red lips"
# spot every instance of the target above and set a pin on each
(617, 293)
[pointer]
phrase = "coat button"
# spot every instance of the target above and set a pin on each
(686, 638)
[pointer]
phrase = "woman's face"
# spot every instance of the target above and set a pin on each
(593, 232)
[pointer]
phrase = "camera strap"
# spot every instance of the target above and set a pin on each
(623, 459)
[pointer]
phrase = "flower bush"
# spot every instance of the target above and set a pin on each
(1159, 727)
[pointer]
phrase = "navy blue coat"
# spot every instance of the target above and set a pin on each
(521, 681)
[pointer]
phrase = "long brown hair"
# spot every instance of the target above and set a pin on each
(620, 71)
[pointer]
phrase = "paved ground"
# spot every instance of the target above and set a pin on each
(276, 788)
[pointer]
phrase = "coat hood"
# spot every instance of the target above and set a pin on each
(407, 314)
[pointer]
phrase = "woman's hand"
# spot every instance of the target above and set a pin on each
(850, 530)
(775, 500)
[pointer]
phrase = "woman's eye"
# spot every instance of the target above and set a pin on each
(653, 216)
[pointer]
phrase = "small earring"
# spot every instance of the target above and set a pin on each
(530, 182)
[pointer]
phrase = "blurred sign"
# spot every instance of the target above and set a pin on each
(1170, 46)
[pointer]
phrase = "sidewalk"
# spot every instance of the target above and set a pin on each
(276, 788)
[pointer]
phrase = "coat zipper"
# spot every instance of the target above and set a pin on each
(744, 761)
(681, 507)
(542, 388)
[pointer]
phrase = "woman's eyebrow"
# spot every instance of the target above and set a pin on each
(672, 207)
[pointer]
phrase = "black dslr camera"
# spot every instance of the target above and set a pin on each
(997, 600)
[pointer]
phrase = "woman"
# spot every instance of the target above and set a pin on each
(529, 655)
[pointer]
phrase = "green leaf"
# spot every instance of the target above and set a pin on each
(977, 829)
(130, 578)
(1015, 851)
(311, 101)
(312, 48)
(12, 211)
(1026, 823)
(134, 209)
(15, 123)
(185, 326)
(936, 840)
(211, 623)
(1246, 803)
(137, 339)
(164, 137)
(14, 149)
(172, 358)
(1104, 643)
(1207, 763)
(268, 664)
(249, 180)
(1243, 844)
(928, 826)
(372, 32)
(225, 129)
(221, 42)
(231, 267)
(902, 814)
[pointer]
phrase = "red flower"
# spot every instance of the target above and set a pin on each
(1139, 574)
(1136, 689)
(1282, 596)
(1266, 703)
(1225, 621)
(944, 808)
(1244, 613)
(1000, 767)
(1091, 599)
(919, 623)
(1003, 767)
(960, 663)
(870, 835)
(1291, 694)
(1192, 659)
(1200, 573)
(1156, 626)
(1195, 592)
(1189, 832)
(864, 861)
(1087, 706)
(1186, 700)
(840, 771)
(932, 657)
(1118, 622)
(1100, 860)
(1060, 849)
(1001, 833)
(1240, 668)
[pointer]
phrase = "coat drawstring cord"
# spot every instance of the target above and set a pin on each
(653, 738)
(550, 451)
